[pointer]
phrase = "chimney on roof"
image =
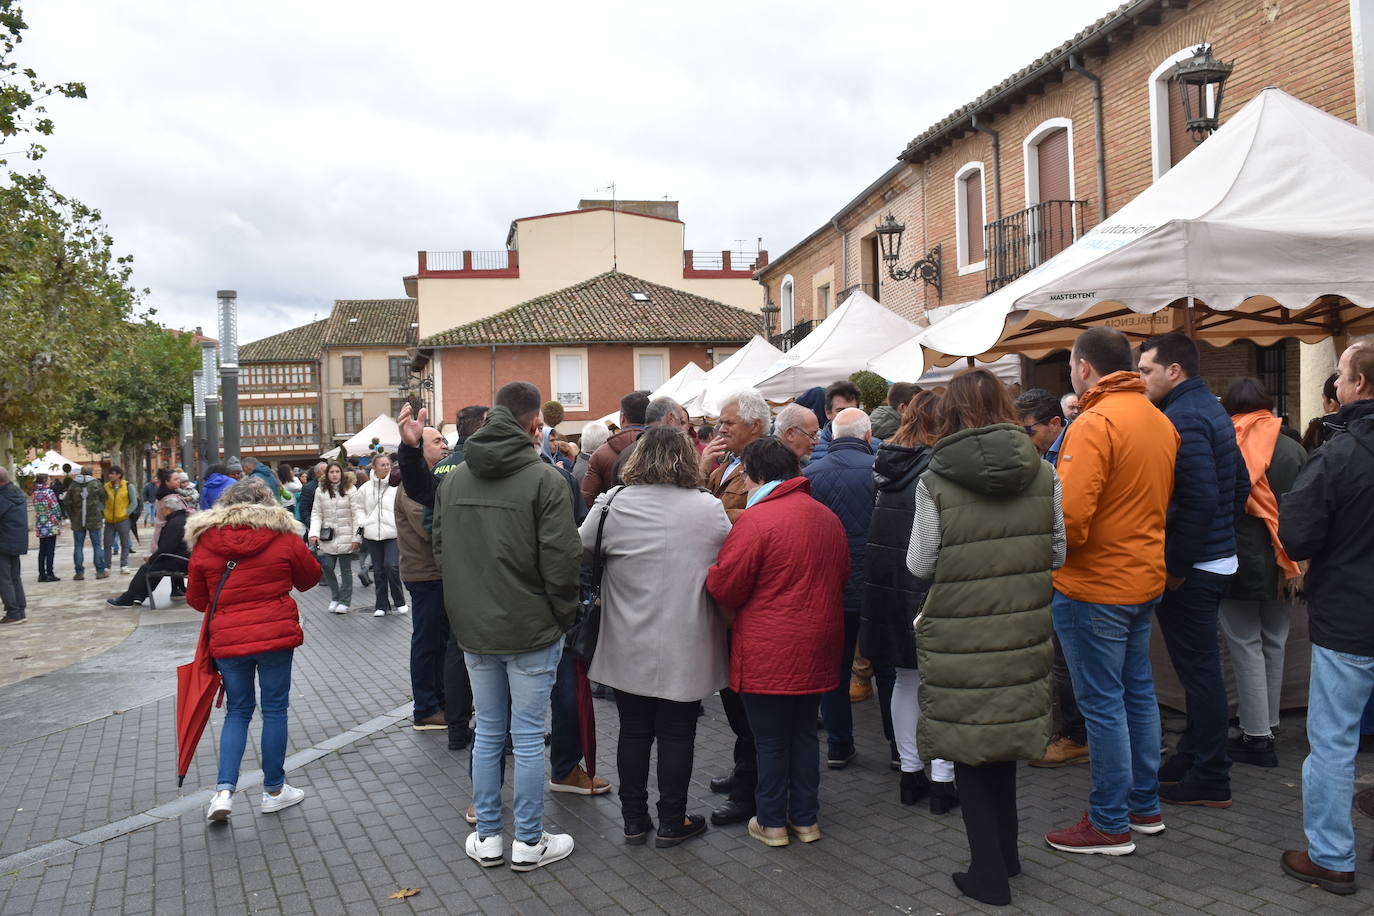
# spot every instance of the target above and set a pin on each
(667, 209)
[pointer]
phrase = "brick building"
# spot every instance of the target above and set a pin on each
(279, 394)
(1008, 180)
(584, 346)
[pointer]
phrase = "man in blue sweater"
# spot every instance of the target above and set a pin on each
(1211, 485)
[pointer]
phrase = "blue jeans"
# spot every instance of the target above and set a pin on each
(428, 645)
(521, 683)
(565, 744)
(274, 680)
(1188, 622)
(79, 549)
(789, 787)
(1340, 687)
(1107, 648)
(1367, 720)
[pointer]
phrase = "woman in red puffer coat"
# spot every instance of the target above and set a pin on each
(782, 571)
(255, 628)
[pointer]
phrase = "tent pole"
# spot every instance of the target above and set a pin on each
(1188, 320)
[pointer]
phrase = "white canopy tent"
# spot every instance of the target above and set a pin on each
(838, 347)
(383, 428)
(49, 463)
(680, 386)
(738, 370)
(1263, 232)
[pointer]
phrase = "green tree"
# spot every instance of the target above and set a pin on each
(872, 389)
(22, 93)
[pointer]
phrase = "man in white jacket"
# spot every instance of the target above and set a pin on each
(374, 511)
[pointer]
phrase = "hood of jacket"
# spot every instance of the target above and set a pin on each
(814, 400)
(82, 479)
(787, 486)
(1357, 419)
(11, 493)
(998, 460)
(1111, 384)
(898, 465)
(500, 448)
(240, 529)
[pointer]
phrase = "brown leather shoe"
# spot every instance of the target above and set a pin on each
(859, 691)
(1061, 753)
(1296, 864)
(579, 782)
(430, 722)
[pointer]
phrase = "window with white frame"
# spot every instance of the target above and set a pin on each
(786, 316)
(568, 371)
(651, 369)
(1169, 137)
(970, 215)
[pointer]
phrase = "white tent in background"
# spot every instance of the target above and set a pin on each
(383, 428)
(1267, 225)
(49, 463)
(681, 385)
(1007, 368)
(736, 371)
(838, 347)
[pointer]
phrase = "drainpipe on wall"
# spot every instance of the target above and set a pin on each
(1077, 67)
(996, 163)
(844, 256)
(493, 376)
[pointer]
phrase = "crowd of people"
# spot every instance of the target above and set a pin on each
(989, 566)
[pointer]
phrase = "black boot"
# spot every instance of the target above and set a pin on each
(637, 830)
(944, 797)
(915, 786)
(1254, 751)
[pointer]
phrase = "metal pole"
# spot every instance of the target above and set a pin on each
(229, 367)
(207, 360)
(198, 416)
(188, 452)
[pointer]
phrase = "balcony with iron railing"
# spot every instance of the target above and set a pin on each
(708, 265)
(795, 335)
(1017, 244)
(500, 264)
(283, 438)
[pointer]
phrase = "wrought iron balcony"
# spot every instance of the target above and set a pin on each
(1016, 244)
(789, 339)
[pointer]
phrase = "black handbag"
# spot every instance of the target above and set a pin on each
(582, 636)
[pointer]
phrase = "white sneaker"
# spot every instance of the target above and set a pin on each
(486, 853)
(550, 848)
(403, 609)
(338, 608)
(379, 613)
(289, 796)
(123, 570)
(221, 804)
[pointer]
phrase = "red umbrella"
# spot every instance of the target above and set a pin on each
(199, 686)
(586, 716)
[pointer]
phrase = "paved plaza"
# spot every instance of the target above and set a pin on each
(91, 820)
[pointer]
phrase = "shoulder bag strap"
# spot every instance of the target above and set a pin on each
(214, 605)
(597, 558)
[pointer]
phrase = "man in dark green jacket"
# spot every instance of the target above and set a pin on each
(510, 556)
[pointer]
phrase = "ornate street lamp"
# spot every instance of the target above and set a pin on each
(1201, 81)
(926, 269)
(770, 313)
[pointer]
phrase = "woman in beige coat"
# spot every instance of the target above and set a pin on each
(662, 641)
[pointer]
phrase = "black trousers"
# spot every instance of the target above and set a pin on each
(457, 686)
(1071, 723)
(746, 773)
(47, 551)
(644, 720)
(987, 798)
(138, 586)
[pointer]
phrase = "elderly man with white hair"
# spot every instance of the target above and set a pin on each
(842, 481)
(744, 418)
(594, 435)
(798, 429)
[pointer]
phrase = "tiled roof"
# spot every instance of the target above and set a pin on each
(1093, 40)
(296, 345)
(372, 323)
(601, 310)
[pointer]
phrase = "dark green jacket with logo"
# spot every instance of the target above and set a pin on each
(984, 635)
(506, 544)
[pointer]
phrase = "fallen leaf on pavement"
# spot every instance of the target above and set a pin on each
(403, 893)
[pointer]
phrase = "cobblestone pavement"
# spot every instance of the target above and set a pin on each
(91, 820)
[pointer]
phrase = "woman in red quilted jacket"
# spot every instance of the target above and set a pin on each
(781, 572)
(255, 627)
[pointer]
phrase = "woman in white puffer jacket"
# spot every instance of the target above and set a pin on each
(374, 511)
(333, 515)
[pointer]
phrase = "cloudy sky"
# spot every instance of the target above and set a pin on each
(302, 151)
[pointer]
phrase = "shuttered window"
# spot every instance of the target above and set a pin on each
(1052, 160)
(973, 215)
(1180, 141)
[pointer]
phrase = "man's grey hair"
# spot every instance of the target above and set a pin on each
(248, 463)
(1064, 401)
(86, 469)
(319, 468)
(659, 408)
(248, 490)
(751, 406)
(594, 435)
(852, 423)
(790, 417)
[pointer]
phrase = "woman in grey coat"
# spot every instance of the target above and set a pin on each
(662, 641)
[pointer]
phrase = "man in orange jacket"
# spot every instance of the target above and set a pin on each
(1117, 471)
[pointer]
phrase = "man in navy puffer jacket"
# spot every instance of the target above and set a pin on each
(1211, 485)
(843, 481)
